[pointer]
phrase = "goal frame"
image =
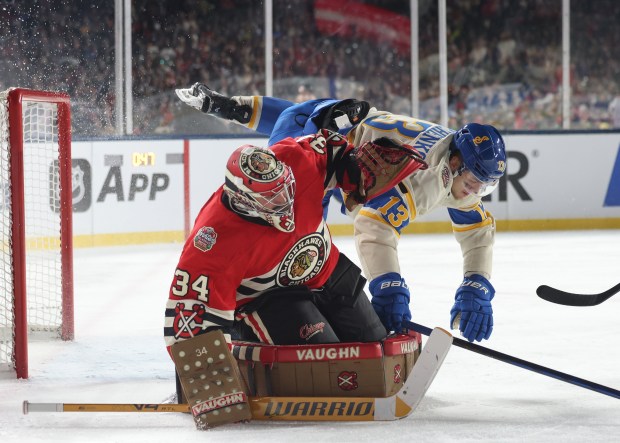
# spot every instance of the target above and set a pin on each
(16, 98)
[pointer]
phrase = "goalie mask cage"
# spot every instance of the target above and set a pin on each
(36, 268)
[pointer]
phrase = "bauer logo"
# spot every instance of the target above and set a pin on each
(81, 185)
(613, 190)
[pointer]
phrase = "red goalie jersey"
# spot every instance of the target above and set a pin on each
(229, 258)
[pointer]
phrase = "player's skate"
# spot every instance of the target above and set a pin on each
(205, 99)
(343, 115)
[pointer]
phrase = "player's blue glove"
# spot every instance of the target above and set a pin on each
(472, 312)
(390, 298)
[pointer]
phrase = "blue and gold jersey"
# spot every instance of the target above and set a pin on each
(395, 208)
(379, 224)
(419, 134)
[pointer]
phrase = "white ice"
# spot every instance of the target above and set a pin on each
(118, 355)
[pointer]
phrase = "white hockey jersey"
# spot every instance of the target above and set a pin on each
(379, 223)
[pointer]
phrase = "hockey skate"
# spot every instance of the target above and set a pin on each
(343, 115)
(201, 97)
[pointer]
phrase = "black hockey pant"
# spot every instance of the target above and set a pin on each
(338, 312)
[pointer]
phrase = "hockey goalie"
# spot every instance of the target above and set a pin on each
(259, 277)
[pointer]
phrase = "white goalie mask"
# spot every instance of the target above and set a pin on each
(260, 185)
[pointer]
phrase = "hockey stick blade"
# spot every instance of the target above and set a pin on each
(570, 299)
(394, 407)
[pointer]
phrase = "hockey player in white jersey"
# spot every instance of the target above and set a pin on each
(463, 166)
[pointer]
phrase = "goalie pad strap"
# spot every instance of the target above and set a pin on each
(210, 379)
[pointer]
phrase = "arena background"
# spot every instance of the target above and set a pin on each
(504, 64)
(496, 62)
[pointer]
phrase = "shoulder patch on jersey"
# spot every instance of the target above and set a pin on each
(445, 176)
(205, 238)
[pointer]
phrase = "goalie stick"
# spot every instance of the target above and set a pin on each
(397, 406)
(521, 363)
(569, 299)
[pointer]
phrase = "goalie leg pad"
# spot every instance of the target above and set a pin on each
(210, 380)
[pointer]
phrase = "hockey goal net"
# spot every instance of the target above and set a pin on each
(36, 268)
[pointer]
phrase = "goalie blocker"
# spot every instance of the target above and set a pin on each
(210, 380)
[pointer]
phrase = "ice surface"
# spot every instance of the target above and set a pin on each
(118, 355)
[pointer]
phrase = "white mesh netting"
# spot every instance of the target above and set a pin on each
(6, 263)
(42, 224)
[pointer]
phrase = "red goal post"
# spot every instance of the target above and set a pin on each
(36, 264)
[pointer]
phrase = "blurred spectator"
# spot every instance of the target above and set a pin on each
(304, 93)
(614, 111)
(504, 59)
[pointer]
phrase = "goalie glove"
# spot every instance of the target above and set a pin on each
(382, 163)
(368, 170)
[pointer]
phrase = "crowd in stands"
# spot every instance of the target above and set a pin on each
(64, 46)
(504, 59)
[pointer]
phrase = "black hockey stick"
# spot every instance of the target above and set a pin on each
(521, 363)
(569, 299)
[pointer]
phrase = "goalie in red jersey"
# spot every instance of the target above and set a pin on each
(260, 264)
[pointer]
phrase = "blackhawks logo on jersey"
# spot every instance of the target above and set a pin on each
(303, 261)
(188, 320)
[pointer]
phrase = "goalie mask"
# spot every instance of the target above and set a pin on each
(260, 185)
(483, 154)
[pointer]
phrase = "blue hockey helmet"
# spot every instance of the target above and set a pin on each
(483, 151)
